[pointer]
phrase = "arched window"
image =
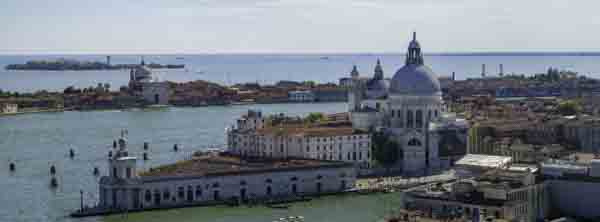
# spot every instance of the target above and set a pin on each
(429, 115)
(156, 197)
(269, 191)
(181, 192)
(166, 194)
(215, 185)
(198, 191)
(419, 119)
(400, 118)
(148, 196)
(393, 113)
(115, 172)
(242, 183)
(190, 193)
(409, 119)
(414, 142)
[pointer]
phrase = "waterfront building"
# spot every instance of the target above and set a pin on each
(214, 178)
(9, 108)
(511, 195)
(408, 108)
(574, 185)
(257, 136)
(145, 85)
(301, 96)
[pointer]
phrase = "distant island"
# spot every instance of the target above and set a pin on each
(67, 64)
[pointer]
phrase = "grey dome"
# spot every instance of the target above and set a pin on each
(377, 88)
(415, 79)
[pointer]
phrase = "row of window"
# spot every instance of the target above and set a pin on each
(417, 120)
(323, 139)
(353, 156)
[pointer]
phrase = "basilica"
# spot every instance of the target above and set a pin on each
(409, 109)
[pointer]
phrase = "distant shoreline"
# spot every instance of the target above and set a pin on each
(491, 53)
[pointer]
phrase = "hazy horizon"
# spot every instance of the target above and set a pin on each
(296, 26)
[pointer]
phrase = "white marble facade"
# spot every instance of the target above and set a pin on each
(407, 107)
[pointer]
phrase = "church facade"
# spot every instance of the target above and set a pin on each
(145, 85)
(409, 109)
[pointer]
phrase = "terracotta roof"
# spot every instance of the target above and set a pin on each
(309, 131)
(221, 164)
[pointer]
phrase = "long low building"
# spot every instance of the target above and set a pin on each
(217, 178)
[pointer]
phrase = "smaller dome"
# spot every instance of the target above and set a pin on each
(377, 88)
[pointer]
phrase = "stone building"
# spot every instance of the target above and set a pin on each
(144, 84)
(9, 108)
(498, 194)
(408, 108)
(216, 178)
(254, 135)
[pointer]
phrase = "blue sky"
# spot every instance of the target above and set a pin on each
(296, 26)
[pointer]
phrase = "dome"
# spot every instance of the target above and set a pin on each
(377, 88)
(415, 79)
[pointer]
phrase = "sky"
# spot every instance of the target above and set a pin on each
(296, 26)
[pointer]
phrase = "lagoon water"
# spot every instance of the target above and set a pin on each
(37, 141)
(264, 68)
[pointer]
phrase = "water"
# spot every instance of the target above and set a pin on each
(231, 69)
(37, 141)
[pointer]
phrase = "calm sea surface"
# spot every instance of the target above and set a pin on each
(37, 141)
(230, 69)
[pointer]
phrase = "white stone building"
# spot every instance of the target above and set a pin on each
(9, 108)
(216, 178)
(408, 108)
(253, 137)
(143, 82)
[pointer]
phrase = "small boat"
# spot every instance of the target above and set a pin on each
(324, 58)
(179, 58)
(279, 207)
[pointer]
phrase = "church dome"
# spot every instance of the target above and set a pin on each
(415, 78)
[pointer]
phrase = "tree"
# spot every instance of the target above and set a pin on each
(385, 151)
(314, 117)
(568, 108)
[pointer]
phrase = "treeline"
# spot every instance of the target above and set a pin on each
(63, 64)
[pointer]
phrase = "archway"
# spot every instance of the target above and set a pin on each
(190, 194)
(157, 198)
(216, 195)
(243, 194)
(156, 99)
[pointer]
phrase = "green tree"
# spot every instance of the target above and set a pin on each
(385, 151)
(314, 117)
(568, 108)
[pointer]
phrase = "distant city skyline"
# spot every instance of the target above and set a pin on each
(296, 26)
